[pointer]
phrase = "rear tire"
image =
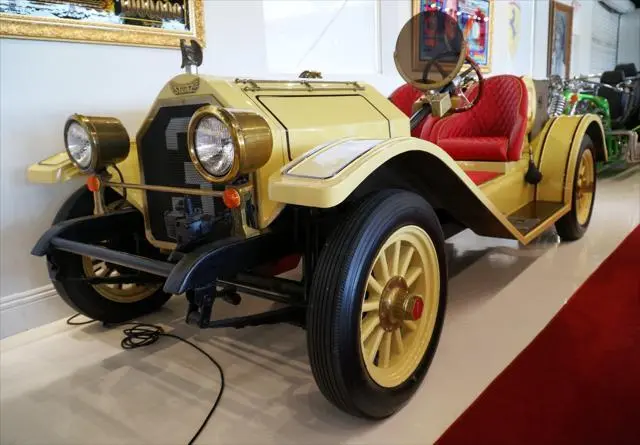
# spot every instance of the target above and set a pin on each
(367, 371)
(573, 225)
(88, 299)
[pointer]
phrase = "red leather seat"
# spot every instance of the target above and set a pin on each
(404, 97)
(427, 127)
(492, 130)
(431, 120)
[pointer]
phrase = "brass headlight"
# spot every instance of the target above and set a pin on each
(225, 143)
(93, 143)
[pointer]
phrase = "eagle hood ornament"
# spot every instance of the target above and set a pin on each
(191, 55)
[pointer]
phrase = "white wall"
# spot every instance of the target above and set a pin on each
(629, 46)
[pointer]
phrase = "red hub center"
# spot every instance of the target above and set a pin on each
(417, 308)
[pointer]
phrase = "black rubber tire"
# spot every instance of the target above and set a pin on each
(333, 314)
(81, 296)
(568, 227)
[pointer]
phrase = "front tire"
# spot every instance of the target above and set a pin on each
(102, 302)
(573, 225)
(377, 304)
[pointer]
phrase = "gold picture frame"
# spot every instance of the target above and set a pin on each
(484, 61)
(152, 23)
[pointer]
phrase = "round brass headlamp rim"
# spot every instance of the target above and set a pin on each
(252, 140)
(108, 138)
(226, 118)
(85, 123)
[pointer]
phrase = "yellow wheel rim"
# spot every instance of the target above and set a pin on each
(585, 187)
(403, 280)
(119, 293)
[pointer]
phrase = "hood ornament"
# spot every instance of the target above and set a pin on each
(191, 55)
(308, 74)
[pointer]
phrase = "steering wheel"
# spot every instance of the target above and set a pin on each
(459, 87)
(462, 85)
(435, 62)
(430, 54)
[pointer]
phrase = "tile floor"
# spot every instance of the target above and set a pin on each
(74, 385)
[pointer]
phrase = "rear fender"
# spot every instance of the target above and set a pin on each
(329, 174)
(559, 154)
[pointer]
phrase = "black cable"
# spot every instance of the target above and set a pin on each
(144, 334)
(70, 321)
(124, 189)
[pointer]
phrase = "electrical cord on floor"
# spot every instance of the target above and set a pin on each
(143, 334)
(70, 321)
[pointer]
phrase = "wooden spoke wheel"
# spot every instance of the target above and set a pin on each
(399, 306)
(106, 302)
(120, 292)
(585, 187)
(573, 225)
(377, 304)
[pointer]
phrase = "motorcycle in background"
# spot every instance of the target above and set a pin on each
(582, 95)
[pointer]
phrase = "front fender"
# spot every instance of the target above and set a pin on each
(326, 176)
(54, 169)
(59, 168)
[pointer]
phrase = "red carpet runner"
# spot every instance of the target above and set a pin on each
(578, 382)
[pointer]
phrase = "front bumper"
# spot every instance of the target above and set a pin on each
(197, 268)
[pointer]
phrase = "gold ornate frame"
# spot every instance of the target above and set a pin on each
(45, 28)
(485, 68)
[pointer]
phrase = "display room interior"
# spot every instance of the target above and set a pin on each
(319, 221)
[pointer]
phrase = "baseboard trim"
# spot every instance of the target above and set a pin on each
(29, 309)
(27, 297)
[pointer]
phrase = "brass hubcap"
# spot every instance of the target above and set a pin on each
(585, 187)
(399, 306)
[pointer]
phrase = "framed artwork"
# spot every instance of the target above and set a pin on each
(159, 23)
(560, 29)
(475, 18)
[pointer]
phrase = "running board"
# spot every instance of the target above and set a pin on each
(536, 215)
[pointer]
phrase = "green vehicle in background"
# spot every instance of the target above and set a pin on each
(581, 95)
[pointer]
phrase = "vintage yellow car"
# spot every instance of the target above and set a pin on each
(230, 182)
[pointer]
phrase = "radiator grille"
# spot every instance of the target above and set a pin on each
(165, 161)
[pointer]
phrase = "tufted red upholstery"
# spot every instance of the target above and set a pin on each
(431, 119)
(404, 97)
(493, 130)
(429, 123)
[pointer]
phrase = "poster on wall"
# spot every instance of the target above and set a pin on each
(560, 29)
(515, 27)
(519, 37)
(160, 23)
(475, 18)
